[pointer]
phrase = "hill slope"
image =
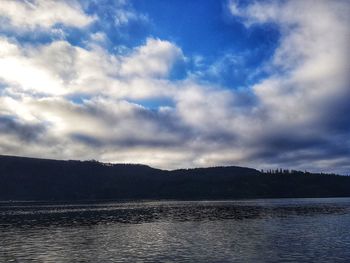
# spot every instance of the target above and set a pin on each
(41, 179)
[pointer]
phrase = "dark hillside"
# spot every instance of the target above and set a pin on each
(41, 179)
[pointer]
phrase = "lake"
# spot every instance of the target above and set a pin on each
(270, 230)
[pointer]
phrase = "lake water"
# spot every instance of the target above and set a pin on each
(276, 230)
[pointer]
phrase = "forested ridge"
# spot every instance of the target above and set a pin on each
(24, 178)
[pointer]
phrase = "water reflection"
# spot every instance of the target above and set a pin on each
(26, 214)
(231, 231)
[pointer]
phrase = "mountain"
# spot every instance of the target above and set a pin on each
(24, 178)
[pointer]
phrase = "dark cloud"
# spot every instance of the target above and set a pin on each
(335, 115)
(150, 128)
(24, 131)
(124, 143)
(290, 151)
(88, 140)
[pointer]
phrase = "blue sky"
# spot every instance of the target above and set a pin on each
(203, 30)
(207, 30)
(177, 83)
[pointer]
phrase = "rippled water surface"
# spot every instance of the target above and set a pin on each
(276, 230)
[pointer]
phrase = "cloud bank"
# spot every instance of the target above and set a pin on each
(60, 99)
(26, 15)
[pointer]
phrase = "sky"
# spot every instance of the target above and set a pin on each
(177, 83)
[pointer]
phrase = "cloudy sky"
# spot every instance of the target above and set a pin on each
(177, 83)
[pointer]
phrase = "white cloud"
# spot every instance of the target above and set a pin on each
(31, 14)
(99, 37)
(123, 17)
(313, 49)
(17, 69)
(309, 69)
(59, 68)
(155, 59)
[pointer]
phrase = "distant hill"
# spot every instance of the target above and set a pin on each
(41, 179)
